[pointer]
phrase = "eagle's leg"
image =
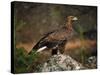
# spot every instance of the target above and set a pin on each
(55, 50)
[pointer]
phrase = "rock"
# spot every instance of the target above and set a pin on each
(61, 63)
(92, 62)
(92, 59)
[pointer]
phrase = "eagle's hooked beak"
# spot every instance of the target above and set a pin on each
(75, 18)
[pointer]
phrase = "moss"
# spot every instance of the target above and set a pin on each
(23, 61)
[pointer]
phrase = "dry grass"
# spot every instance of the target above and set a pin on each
(27, 46)
(81, 49)
(77, 43)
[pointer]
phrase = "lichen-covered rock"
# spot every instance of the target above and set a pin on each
(61, 63)
(92, 62)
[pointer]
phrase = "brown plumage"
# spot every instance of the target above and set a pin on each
(56, 39)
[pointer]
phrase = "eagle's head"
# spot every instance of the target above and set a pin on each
(72, 18)
(69, 23)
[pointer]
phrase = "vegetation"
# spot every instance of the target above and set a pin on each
(82, 49)
(22, 61)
